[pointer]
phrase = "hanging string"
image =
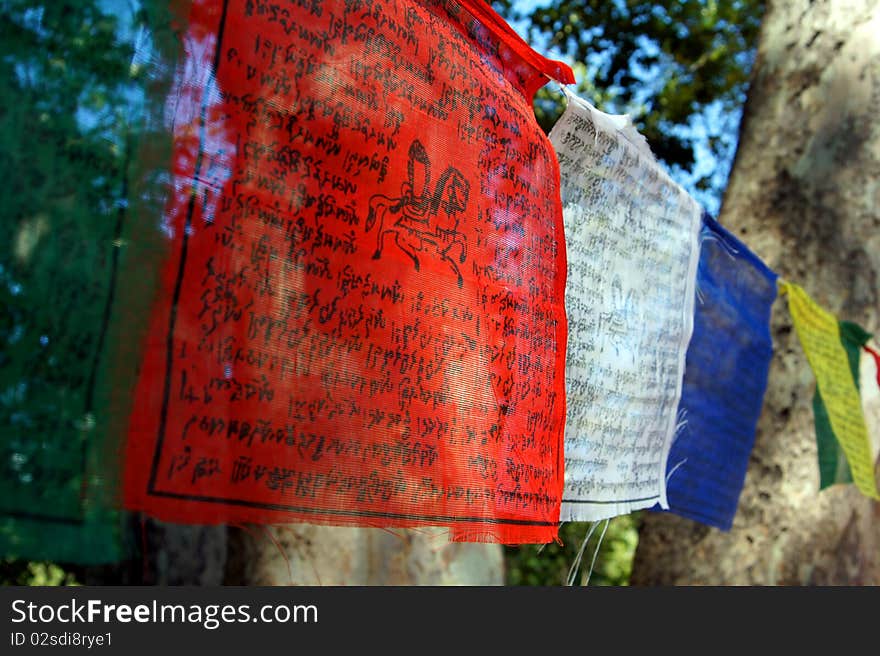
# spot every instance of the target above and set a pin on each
(596, 552)
(572, 572)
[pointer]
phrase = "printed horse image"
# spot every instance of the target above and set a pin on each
(422, 221)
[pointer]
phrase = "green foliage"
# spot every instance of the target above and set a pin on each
(550, 564)
(22, 572)
(662, 62)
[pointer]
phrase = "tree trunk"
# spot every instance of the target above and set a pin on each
(166, 554)
(303, 554)
(298, 554)
(805, 195)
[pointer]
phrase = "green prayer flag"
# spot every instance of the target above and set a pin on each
(833, 465)
(81, 93)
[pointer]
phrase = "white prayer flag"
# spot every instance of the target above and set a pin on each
(632, 240)
(869, 390)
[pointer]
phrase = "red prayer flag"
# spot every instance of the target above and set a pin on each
(876, 359)
(361, 316)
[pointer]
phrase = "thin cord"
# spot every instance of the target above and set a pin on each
(596, 553)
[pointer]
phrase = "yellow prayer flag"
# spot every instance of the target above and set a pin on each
(819, 334)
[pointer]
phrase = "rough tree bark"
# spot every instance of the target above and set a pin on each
(298, 554)
(303, 554)
(805, 195)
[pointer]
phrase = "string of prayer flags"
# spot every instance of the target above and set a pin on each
(821, 337)
(833, 465)
(376, 294)
(361, 319)
(632, 240)
(725, 378)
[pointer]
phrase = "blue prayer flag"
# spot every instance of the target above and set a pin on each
(724, 381)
